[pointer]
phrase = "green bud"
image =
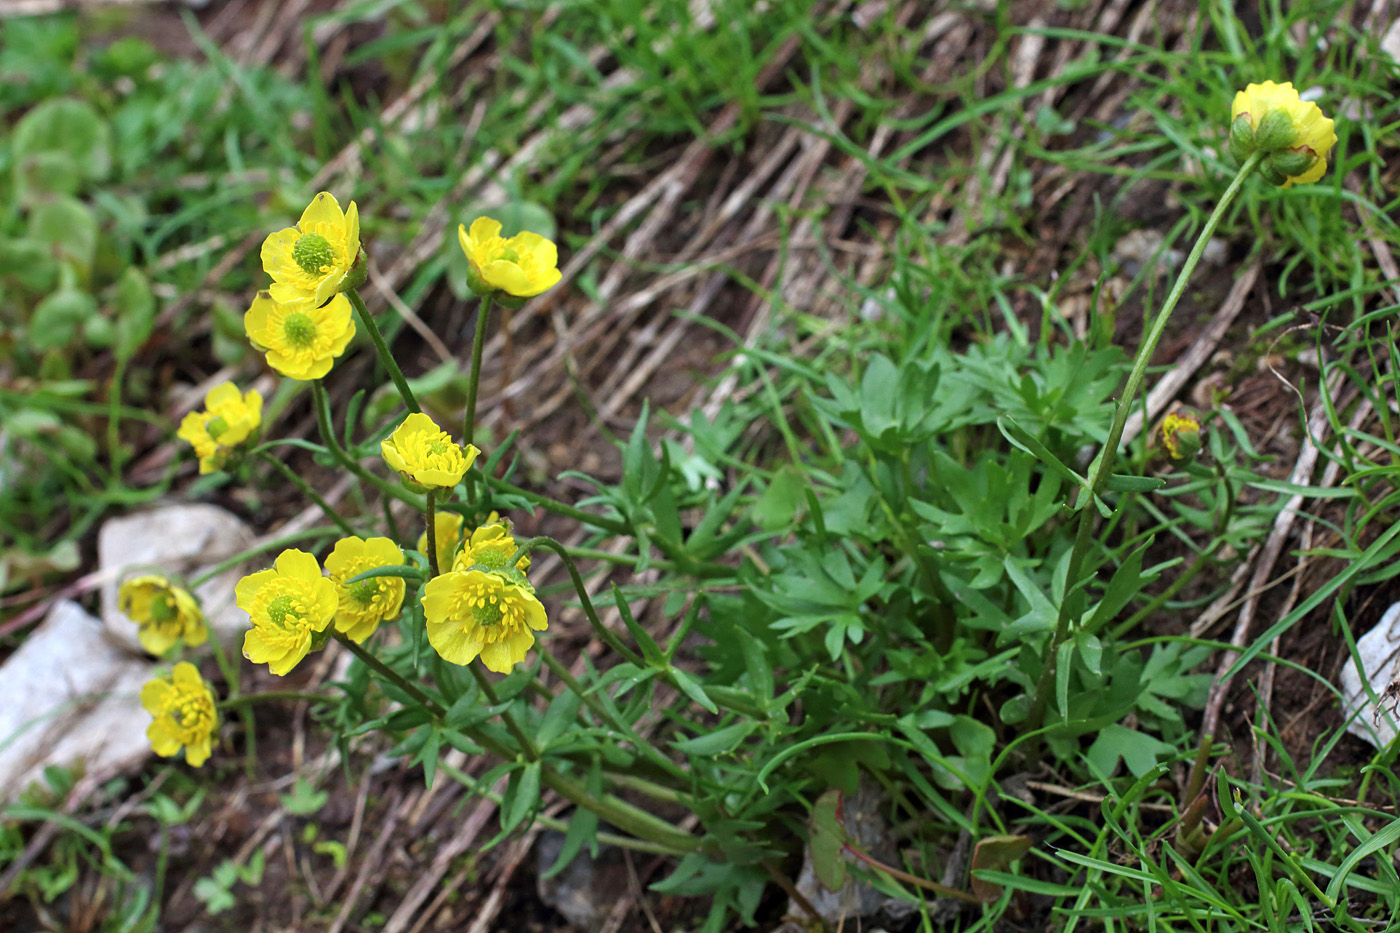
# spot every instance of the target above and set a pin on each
(1275, 131)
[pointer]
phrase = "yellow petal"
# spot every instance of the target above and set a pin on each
(507, 276)
(296, 563)
(325, 210)
(247, 588)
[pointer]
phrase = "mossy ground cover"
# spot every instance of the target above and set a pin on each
(826, 267)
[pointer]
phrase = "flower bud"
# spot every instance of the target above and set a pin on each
(1181, 435)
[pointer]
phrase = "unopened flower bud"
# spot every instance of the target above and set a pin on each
(1181, 435)
(1292, 134)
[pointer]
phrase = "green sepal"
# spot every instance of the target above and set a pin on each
(1272, 175)
(1292, 162)
(1275, 131)
(1241, 137)
(357, 274)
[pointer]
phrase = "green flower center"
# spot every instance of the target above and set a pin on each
(280, 608)
(509, 255)
(299, 329)
(313, 253)
(493, 556)
(438, 447)
(488, 614)
(191, 711)
(216, 426)
(364, 592)
(162, 609)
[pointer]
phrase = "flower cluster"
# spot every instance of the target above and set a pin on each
(484, 606)
(165, 614)
(1291, 134)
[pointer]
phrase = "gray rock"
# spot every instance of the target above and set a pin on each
(71, 699)
(175, 540)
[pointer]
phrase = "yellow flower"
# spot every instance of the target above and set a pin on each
(185, 714)
(229, 419)
(300, 339)
(476, 612)
(312, 259)
(523, 265)
(1292, 133)
(1181, 435)
(366, 603)
(425, 454)
(165, 614)
(288, 607)
(447, 536)
(490, 548)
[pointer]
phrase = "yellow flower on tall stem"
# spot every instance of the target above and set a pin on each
(313, 259)
(185, 714)
(300, 339)
(289, 606)
(425, 454)
(1292, 134)
(479, 613)
(447, 537)
(364, 603)
(522, 266)
(229, 418)
(165, 614)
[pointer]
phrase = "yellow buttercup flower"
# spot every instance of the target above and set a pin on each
(424, 454)
(229, 418)
(476, 612)
(490, 548)
(300, 339)
(365, 603)
(185, 714)
(1293, 134)
(447, 536)
(165, 614)
(522, 266)
(289, 607)
(313, 259)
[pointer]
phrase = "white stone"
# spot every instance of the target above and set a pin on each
(1390, 42)
(72, 698)
(180, 541)
(1379, 650)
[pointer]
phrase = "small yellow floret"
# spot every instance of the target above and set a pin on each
(185, 714)
(165, 614)
(365, 603)
(523, 266)
(288, 607)
(1181, 435)
(229, 418)
(490, 548)
(312, 260)
(476, 612)
(301, 340)
(425, 454)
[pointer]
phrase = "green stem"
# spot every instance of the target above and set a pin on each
(321, 402)
(271, 696)
(380, 347)
(1103, 466)
(393, 676)
(483, 314)
(560, 508)
(527, 747)
(611, 640)
(250, 735)
(649, 751)
(310, 493)
(430, 518)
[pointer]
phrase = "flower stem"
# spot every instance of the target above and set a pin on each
(527, 747)
(321, 402)
(560, 508)
(1102, 468)
(430, 519)
(385, 357)
(310, 493)
(483, 314)
(611, 640)
(393, 676)
(250, 735)
(270, 696)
